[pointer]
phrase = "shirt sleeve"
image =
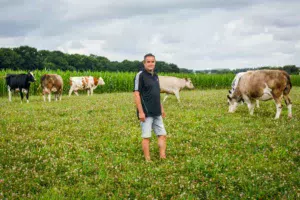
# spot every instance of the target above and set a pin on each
(138, 82)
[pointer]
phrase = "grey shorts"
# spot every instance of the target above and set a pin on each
(155, 123)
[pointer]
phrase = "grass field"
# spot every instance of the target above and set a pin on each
(89, 148)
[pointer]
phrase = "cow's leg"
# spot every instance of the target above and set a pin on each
(9, 94)
(21, 94)
(177, 95)
(49, 96)
(250, 104)
(70, 91)
(166, 96)
(44, 95)
(92, 91)
(278, 107)
(75, 91)
(288, 102)
(257, 103)
(27, 95)
(251, 107)
(60, 95)
(88, 92)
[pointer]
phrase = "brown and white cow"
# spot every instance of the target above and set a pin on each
(234, 84)
(262, 85)
(88, 83)
(173, 85)
(52, 83)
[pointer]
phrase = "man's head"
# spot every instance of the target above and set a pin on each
(149, 62)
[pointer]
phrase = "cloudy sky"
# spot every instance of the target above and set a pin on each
(194, 34)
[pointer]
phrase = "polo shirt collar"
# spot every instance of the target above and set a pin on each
(148, 72)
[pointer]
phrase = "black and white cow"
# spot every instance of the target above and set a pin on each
(19, 82)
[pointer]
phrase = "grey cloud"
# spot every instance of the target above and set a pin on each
(193, 34)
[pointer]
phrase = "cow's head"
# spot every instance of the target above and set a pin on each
(232, 104)
(101, 81)
(188, 83)
(233, 101)
(30, 77)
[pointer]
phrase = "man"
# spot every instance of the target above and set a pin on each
(149, 109)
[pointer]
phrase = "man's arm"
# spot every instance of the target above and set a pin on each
(163, 114)
(138, 103)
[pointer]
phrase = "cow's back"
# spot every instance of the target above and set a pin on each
(16, 80)
(169, 81)
(82, 82)
(253, 83)
(76, 80)
(50, 81)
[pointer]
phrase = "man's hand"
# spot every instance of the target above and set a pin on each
(163, 114)
(142, 116)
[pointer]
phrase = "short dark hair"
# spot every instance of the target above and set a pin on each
(148, 55)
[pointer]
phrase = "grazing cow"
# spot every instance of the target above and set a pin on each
(88, 83)
(173, 85)
(19, 82)
(234, 84)
(262, 85)
(52, 83)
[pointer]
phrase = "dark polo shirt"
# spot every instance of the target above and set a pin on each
(148, 86)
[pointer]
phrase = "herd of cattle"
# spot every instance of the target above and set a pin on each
(50, 83)
(248, 87)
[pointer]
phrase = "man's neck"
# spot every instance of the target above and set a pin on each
(150, 71)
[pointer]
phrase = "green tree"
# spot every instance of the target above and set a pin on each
(9, 59)
(29, 57)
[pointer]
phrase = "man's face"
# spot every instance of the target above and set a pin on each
(149, 63)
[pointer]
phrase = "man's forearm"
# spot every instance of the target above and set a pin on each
(162, 108)
(138, 103)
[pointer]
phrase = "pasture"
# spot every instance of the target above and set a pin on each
(89, 148)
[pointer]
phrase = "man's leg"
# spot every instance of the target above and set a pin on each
(160, 131)
(146, 135)
(162, 146)
(146, 148)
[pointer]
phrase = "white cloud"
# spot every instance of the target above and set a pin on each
(194, 34)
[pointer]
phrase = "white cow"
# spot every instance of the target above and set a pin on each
(88, 83)
(173, 85)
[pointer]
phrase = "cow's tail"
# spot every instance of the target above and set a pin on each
(288, 84)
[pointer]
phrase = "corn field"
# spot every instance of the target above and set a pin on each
(123, 81)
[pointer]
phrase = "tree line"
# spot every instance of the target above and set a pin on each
(291, 69)
(29, 58)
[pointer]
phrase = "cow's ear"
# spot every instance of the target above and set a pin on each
(229, 91)
(228, 97)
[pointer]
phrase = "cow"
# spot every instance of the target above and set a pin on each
(262, 85)
(88, 83)
(173, 85)
(52, 83)
(234, 84)
(19, 82)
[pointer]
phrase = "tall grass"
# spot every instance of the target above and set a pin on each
(123, 81)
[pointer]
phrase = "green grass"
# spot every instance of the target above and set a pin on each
(90, 148)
